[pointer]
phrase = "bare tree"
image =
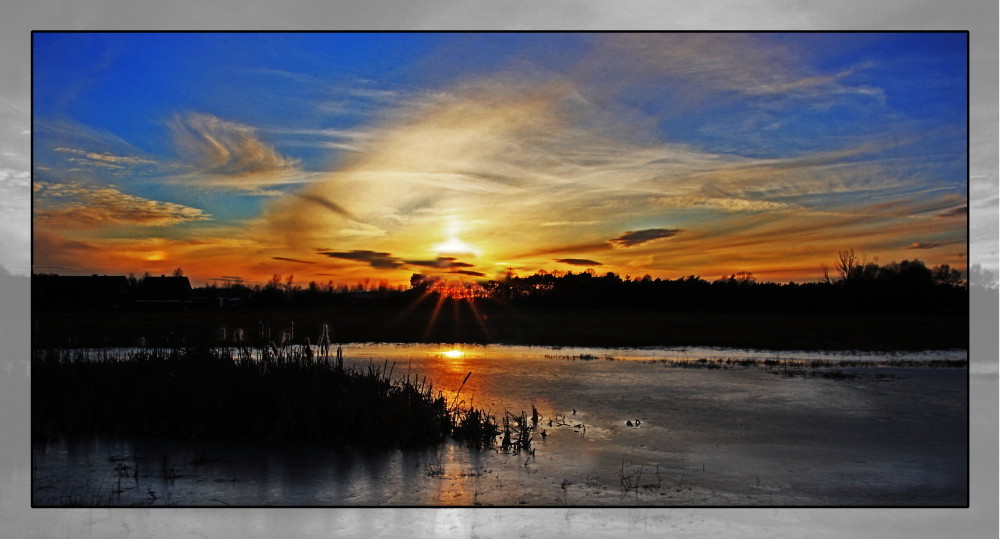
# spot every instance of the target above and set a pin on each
(849, 266)
(826, 273)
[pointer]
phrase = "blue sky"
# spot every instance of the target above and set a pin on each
(365, 156)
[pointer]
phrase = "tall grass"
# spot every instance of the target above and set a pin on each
(270, 392)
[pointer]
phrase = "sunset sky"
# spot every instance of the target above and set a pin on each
(347, 157)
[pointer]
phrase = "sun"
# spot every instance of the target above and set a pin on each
(455, 247)
(453, 354)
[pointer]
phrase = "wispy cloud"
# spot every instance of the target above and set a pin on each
(568, 223)
(526, 162)
(751, 64)
(748, 150)
(221, 154)
(920, 245)
(225, 147)
(697, 202)
(73, 205)
(351, 140)
(102, 160)
(328, 204)
(286, 259)
(359, 97)
(960, 211)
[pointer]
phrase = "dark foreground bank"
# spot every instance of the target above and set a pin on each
(262, 395)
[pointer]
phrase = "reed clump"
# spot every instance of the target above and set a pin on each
(274, 392)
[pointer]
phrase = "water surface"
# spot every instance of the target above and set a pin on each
(623, 427)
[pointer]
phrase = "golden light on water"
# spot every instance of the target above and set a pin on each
(453, 354)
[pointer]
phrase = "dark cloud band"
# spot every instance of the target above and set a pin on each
(442, 262)
(372, 258)
(638, 237)
(579, 261)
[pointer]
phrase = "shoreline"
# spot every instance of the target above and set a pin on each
(708, 438)
(809, 331)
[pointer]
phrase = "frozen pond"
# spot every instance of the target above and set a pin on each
(888, 432)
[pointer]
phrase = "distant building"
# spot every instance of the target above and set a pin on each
(164, 288)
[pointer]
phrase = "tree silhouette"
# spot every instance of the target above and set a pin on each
(849, 266)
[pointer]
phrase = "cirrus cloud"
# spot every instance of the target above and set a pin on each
(75, 205)
(102, 160)
(226, 155)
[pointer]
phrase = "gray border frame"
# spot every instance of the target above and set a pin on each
(978, 16)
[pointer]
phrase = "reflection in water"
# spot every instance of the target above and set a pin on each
(707, 437)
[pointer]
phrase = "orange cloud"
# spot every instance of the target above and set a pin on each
(228, 155)
(76, 205)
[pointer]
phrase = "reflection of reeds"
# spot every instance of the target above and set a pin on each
(807, 368)
(516, 433)
(225, 393)
(782, 365)
(582, 357)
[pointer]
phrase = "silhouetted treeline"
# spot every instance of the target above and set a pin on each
(108, 291)
(909, 286)
(856, 286)
(60, 292)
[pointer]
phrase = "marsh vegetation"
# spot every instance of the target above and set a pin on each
(266, 393)
(650, 427)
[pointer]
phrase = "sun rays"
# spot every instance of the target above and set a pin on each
(663, 154)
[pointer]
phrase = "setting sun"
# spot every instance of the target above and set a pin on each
(454, 246)
(386, 268)
(608, 165)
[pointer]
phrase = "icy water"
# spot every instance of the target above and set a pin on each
(622, 427)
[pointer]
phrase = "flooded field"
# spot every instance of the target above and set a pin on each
(628, 427)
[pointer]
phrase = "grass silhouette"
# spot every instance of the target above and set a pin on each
(263, 393)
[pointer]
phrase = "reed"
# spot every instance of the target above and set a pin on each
(269, 392)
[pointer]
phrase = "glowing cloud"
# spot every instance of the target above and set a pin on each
(231, 156)
(71, 205)
(749, 152)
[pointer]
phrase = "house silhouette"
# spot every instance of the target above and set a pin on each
(164, 288)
